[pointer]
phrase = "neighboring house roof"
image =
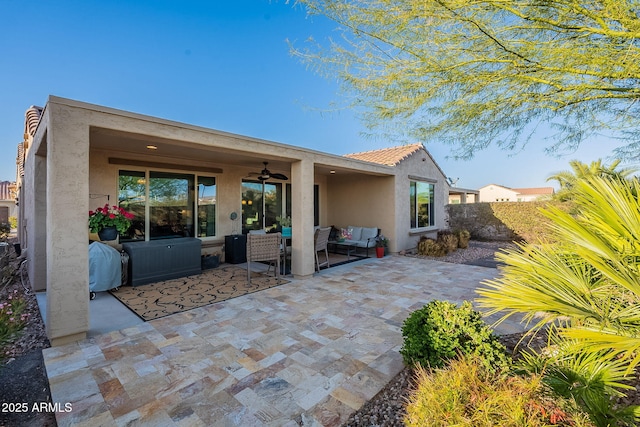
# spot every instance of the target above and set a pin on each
(535, 190)
(387, 156)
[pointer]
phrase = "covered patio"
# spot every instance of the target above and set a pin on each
(80, 155)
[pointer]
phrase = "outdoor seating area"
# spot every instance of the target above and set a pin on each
(353, 240)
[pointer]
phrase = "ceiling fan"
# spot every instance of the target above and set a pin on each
(266, 174)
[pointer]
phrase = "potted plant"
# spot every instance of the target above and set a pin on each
(381, 246)
(285, 223)
(108, 221)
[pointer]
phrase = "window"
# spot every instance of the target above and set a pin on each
(421, 204)
(164, 204)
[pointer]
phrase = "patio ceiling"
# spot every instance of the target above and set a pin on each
(180, 151)
(186, 153)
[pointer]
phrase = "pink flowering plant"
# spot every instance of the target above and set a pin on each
(13, 319)
(345, 234)
(110, 216)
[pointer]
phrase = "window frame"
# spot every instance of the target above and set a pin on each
(414, 225)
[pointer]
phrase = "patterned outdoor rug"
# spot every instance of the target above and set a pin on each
(161, 299)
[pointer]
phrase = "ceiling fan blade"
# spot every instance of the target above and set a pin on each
(266, 174)
(279, 176)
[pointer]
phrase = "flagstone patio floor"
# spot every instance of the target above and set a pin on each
(309, 352)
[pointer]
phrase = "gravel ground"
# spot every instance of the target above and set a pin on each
(22, 372)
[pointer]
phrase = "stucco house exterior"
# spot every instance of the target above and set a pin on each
(499, 193)
(7, 201)
(463, 195)
(78, 156)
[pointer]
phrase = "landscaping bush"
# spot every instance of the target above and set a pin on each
(5, 229)
(466, 394)
(506, 221)
(586, 283)
(430, 247)
(448, 240)
(586, 379)
(441, 331)
(463, 238)
(12, 320)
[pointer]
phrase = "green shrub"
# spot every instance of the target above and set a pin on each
(441, 331)
(466, 394)
(586, 282)
(13, 222)
(586, 379)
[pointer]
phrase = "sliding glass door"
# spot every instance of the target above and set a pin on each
(170, 205)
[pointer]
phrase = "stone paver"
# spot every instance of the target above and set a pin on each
(309, 352)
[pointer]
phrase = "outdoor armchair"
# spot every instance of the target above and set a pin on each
(263, 247)
(320, 239)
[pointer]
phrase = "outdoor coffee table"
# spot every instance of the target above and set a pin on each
(348, 247)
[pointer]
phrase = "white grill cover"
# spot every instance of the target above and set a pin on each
(105, 267)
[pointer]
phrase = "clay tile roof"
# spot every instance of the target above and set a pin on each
(538, 190)
(387, 156)
(32, 118)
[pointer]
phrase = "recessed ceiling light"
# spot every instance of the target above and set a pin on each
(152, 147)
(332, 171)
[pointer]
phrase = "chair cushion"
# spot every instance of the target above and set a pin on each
(356, 232)
(368, 233)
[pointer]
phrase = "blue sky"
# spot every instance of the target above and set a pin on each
(220, 64)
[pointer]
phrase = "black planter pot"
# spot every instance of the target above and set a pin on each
(108, 233)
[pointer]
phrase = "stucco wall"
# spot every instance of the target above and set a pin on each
(361, 200)
(419, 166)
